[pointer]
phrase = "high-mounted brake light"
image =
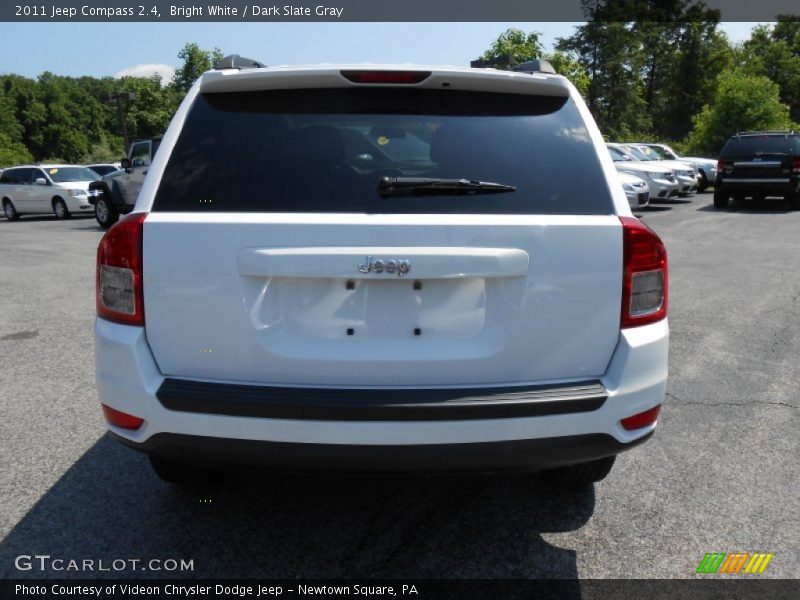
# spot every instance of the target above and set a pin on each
(396, 77)
(121, 419)
(644, 275)
(119, 272)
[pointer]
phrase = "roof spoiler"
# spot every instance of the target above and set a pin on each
(785, 133)
(537, 65)
(234, 61)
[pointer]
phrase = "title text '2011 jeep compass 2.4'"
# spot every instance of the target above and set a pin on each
(382, 269)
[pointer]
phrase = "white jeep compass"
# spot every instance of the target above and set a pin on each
(382, 269)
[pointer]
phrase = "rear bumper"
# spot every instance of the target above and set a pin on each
(507, 456)
(365, 404)
(758, 186)
(532, 427)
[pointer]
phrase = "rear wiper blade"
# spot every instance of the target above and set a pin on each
(425, 186)
(770, 154)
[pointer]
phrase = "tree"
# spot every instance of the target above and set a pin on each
(775, 53)
(744, 102)
(523, 46)
(517, 44)
(571, 69)
(196, 61)
(612, 59)
(640, 55)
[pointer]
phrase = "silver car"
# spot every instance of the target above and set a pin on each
(687, 177)
(661, 181)
(706, 167)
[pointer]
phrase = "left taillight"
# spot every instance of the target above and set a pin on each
(119, 293)
(121, 419)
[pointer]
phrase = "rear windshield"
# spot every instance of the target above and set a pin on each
(327, 150)
(761, 144)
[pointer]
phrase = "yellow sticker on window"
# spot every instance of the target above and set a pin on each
(383, 140)
(53, 171)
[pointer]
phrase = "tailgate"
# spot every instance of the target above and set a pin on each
(527, 299)
(275, 252)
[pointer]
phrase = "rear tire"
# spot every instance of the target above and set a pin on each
(105, 213)
(794, 201)
(177, 473)
(10, 210)
(60, 209)
(720, 199)
(582, 473)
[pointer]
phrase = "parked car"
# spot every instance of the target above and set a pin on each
(687, 178)
(116, 193)
(104, 169)
(758, 164)
(706, 168)
(269, 303)
(37, 189)
(636, 190)
(661, 181)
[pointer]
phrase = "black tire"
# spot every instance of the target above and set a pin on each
(60, 209)
(704, 183)
(105, 212)
(178, 473)
(720, 199)
(10, 210)
(582, 473)
(794, 201)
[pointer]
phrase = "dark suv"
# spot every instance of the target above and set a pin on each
(759, 164)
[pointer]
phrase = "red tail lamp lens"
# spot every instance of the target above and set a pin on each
(396, 77)
(642, 419)
(121, 419)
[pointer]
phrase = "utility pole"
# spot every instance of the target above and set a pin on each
(120, 100)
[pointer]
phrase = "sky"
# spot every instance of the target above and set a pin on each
(115, 49)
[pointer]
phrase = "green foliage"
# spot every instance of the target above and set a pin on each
(13, 152)
(775, 53)
(526, 46)
(571, 69)
(611, 55)
(75, 119)
(196, 61)
(744, 102)
(517, 44)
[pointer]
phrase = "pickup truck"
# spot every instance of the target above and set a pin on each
(116, 193)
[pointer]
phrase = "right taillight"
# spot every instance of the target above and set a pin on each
(644, 274)
(120, 297)
(796, 164)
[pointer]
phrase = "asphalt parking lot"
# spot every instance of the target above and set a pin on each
(721, 473)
